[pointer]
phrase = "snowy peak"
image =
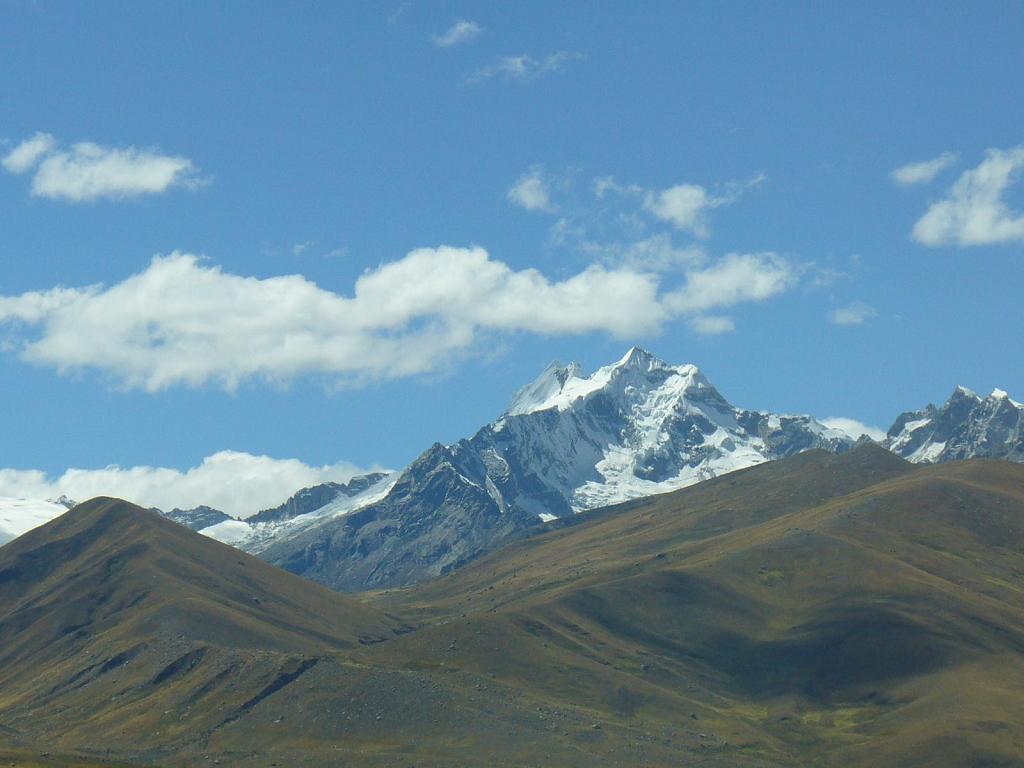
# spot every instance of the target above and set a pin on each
(535, 395)
(640, 359)
(636, 427)
(564, 387)
(960, 392)
(966, 426)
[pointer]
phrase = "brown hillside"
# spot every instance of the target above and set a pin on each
(823, 610)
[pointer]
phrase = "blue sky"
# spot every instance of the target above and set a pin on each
(505, 184)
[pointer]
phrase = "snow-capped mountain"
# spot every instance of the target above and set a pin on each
(307, 508)
(965, 427)
(632, 429)
(567, 443)
(20, 515)
(317, 497)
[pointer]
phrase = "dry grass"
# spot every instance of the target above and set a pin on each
(818, 611)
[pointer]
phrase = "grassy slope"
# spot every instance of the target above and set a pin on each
(804, 613)
(831, 611)
(116, 623)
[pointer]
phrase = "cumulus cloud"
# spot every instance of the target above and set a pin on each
(684, 206)
(521, 68)
(531, 191)
(240, 484)
(734, 279)
(182, 321)
(974, 211)
(854, 428)
(88, 171)
(460, 32)
(856, 313)
(712, 325)
(923, 172)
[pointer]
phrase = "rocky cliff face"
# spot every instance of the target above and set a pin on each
(434, 519)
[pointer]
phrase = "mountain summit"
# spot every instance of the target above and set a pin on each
(567, 443)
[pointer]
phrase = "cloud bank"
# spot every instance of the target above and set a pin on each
(87, 172)
(237, 483)
(182, 321)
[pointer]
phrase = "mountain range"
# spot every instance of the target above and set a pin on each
(965, 427)
(568, 442)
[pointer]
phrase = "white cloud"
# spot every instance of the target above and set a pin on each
(88, 171)
(460, 32)
(852, 314)
(685, 206)
(522, 67)
(974, 212)
(237, 483)
(300, 248)
(605, 184)
(923, 172)
(657, 253)
(28, 153)
(712, 325)
(854, 428)
(734, 279)
(183, 322)
(531, 191)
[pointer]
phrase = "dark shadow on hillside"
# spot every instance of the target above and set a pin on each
(842, 653)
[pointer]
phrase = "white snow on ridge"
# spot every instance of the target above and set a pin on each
(232, 532)
(18, 516)
(928, 453)
(1002, 394)
(638, 427)
(560, 387)
(907, 433)
(255, 537)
